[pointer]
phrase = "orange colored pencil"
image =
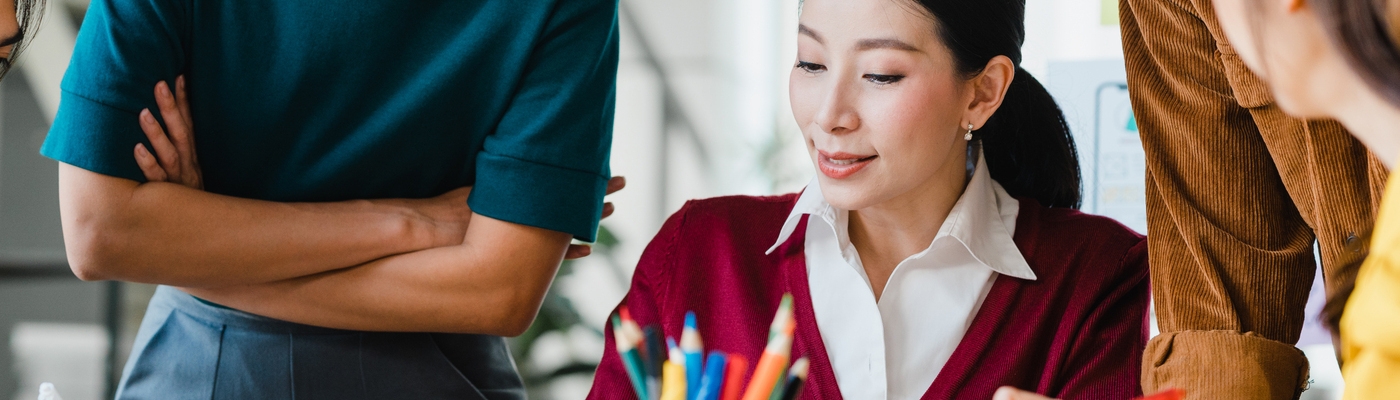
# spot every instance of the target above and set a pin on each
(770, 367)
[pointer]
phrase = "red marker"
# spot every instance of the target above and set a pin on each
(1169, 394)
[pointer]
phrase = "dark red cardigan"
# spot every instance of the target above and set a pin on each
(1076, 332)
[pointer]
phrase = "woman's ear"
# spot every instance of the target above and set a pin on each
(989, 89)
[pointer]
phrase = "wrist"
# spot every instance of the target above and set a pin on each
(416, 230)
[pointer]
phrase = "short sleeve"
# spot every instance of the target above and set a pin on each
(546, 164)
(123, 49)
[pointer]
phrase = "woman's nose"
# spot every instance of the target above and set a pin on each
(836, 114)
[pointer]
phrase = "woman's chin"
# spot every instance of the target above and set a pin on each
(846, 195)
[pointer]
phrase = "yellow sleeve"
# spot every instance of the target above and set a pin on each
(1371, 322)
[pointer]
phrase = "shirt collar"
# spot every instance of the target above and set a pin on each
(982, 221)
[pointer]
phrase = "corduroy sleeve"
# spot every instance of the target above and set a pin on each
(1231, 255)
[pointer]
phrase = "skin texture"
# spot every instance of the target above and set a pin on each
(422, 265)
(1010, 393)
(1283, 42)
(9, 28)
(872, 79)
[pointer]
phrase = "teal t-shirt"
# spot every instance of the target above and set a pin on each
(306, 101)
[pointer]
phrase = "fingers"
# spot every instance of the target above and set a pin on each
(1011, 393)
(577, 251)
(164, 151)
(149, 166)
(182, 98)
(616, 183)
(178, 129)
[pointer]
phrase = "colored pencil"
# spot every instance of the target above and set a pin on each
(713, 379)
(674, 353)
(673, 381)
(796, 378)
(627, 350)
(734, 371)
(777, 392)
(694, 351)
(656, 349)
(782, 318)
(655, 357)
(768, 372)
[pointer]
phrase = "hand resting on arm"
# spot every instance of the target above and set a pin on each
(296, 261)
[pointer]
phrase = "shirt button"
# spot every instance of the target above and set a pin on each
(1354, 243)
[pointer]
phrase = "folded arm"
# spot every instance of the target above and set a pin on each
(166, 233)
(492, 283)
(169, 231)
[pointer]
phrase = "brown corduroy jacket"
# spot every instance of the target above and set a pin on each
(1236, 194)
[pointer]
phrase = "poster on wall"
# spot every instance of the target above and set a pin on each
(1094, 98)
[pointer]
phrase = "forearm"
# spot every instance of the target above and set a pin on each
(1231, 256)
(168, 234)
(491, 284)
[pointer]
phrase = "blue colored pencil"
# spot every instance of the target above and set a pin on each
(713, 380)
(694, 351)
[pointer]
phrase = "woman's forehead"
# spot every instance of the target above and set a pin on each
(844, 22)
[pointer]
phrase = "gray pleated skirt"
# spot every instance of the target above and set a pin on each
(189, 349)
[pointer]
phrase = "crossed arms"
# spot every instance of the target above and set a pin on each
(382, 265)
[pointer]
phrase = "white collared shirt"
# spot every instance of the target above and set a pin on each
(894, 348)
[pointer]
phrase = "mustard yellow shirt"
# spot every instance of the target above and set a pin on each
(1371, 322)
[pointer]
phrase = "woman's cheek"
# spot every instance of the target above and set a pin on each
(802, 97)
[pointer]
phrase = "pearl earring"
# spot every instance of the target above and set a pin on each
(968, 136)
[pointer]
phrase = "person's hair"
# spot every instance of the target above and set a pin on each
(27, 14)
(1365, 33)
(1028, 146)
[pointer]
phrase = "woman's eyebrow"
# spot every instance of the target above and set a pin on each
(804, 30)
(895, 44)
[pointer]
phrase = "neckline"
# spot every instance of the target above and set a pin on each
(993, 314)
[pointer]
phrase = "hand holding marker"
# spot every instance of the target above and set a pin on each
(687, 375)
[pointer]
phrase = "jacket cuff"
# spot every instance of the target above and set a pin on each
(1224, 365)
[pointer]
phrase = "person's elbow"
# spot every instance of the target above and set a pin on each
(93, 250)
(503, 307)
(512, 269)
(513, 309)
(93, 227)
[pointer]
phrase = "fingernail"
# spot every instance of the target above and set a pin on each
(146, 115)
(164, 89)
(142, 149)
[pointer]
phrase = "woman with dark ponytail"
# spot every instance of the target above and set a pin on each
(1341, 59)
(938, 253)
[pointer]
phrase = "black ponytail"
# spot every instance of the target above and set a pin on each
(1027, 143)
(1028, 146)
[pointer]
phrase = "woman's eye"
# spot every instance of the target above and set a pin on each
(810, 67)
(883, 79)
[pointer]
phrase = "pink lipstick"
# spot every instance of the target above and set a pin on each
(841, 165)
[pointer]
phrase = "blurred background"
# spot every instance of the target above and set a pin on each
(702, 111)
